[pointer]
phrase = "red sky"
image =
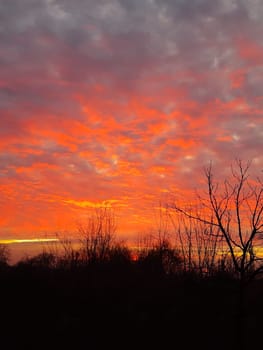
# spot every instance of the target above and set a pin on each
(122, 103)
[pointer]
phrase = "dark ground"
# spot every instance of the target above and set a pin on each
(106, 307)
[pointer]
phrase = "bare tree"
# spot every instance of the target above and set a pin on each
(98, 235)
(235, 208)
(200, 245)
(70, 257)
(155, 247)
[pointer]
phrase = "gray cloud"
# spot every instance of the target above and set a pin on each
(118, 42)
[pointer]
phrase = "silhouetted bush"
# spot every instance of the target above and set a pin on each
(4, 256)
(160, 259)
(43, 260)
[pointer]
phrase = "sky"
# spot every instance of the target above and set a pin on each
(122, 103)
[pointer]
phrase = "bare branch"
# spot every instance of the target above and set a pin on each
(228, 204)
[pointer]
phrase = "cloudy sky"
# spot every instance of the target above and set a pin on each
(122, 102)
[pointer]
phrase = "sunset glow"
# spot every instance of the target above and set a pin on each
(33, 240)
(122, 104)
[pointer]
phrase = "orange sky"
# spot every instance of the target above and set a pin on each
(122, 103)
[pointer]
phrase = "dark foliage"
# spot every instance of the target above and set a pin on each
(122, 304)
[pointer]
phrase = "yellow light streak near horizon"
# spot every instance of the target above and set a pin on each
(33, 240)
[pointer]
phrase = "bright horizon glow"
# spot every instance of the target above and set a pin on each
(33, 240)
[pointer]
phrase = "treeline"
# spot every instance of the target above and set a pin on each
(195, 253)
(103, 294)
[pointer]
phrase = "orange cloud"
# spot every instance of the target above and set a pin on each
(96, 112)
(250, 51)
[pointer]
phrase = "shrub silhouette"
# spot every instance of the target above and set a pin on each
(162, 258)
(4, 256)
(43, 260)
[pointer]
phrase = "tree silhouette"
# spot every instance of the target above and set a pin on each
(98, 235)
(4, 255)
(235, 208)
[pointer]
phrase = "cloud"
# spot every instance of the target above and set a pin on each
(122, 99)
